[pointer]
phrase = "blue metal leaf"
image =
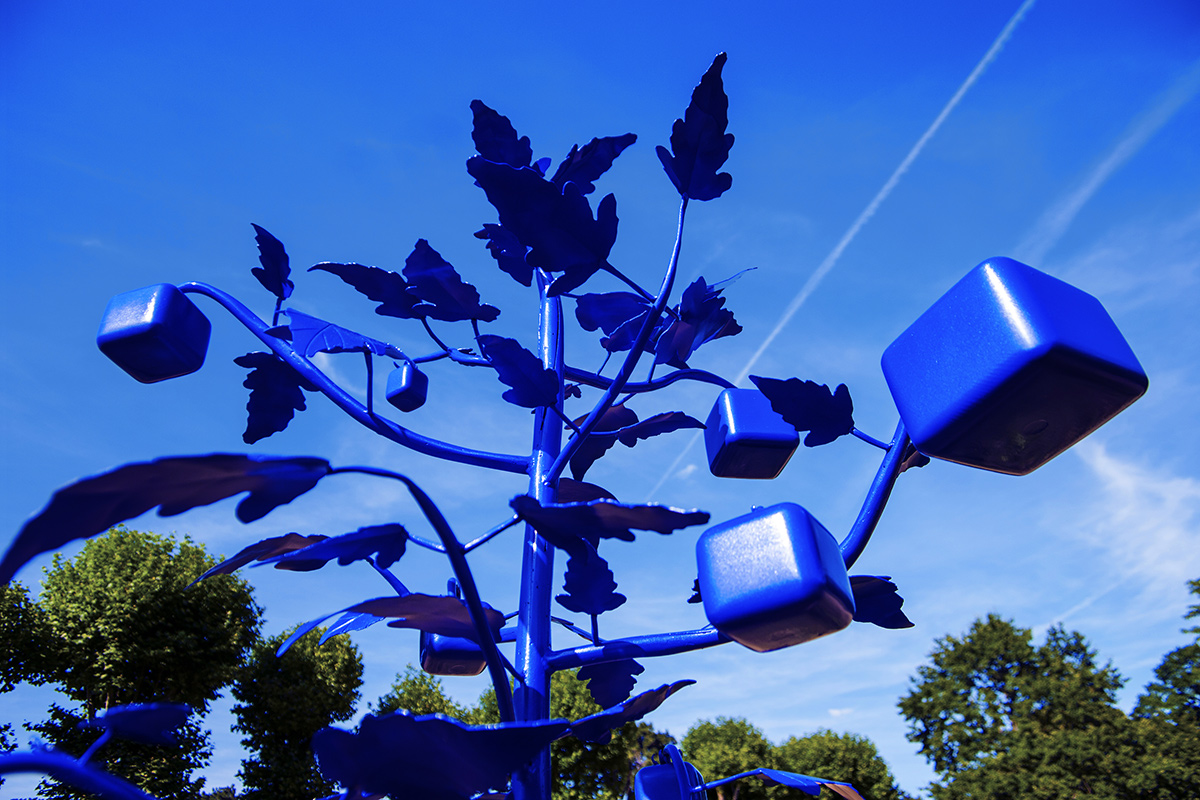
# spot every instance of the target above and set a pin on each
(612, 682)
(602, 438)
(805, 783)
(598, 727)
(273, 274)
(311, 336)
(532, 383)
(385, 287)
(443, 292)
(583, 166)
(665, 422)
(496, 139)
(809, 406)
(699, 143)
(877, 600)
(384, 543)
(95, 504)
(276, 394)
(430, 757)
(557, 225)
(508, 252)
(696, 598)
(609, 311)
(571, 491)
(702, 317)
(348, 623)
(148, 723)
(601, 519)
(590, 588)
(262, 550)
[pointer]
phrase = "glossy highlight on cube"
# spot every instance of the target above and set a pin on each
(450, 655)
(1010, 368)
(773, 578)
(746, 438)
(154, 333)
(407, 387)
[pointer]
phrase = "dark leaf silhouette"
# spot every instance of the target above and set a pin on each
(598, 727)
(276, 394)
(589, 585)
(702, 318)
(260, 551)
(601, 439)
(532, 384)
(609, 311)
(508, 252)
(148, 723)
(557, 225)
(584, 165)
(443, 293)
(570, 491)
(384, 543)
(273, 274)
(653, 426)
(178, 484)
(431, 757)
(311, 336)
(496, 139)
(913, 459)
(877, 600)
(385, 287)
(349, 623)
(805, 783)
(699, 143)
(612, 682)
(601, 519)
(696, 598)
(809, 406)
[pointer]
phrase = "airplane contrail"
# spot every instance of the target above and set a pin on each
(831, 260)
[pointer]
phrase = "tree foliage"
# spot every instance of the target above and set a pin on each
(726, 747)
(282, 702)
(841, 757)
(420, 693)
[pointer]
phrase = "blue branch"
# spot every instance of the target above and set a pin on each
(877, 496)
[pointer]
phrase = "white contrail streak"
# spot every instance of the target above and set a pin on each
(1055, 221)
(831, 260)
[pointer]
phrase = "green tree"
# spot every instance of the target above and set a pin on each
(418, 692)
(123, 627)
(21, 654)
(840, 757)
(726, 747)
(282, 702)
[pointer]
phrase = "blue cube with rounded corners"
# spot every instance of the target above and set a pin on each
(407, 387)
(661, 782)
(154, 333)
(773, 578)
(450, 655)
(1009, 368)
(746, 438)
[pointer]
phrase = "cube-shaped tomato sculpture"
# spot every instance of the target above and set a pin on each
(450, 655)
(407, 387)
(745, 438)
(773, 578)
(661, 782)
(154, 333)
(1010, 368)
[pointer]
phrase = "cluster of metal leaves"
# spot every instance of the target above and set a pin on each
(809, 406)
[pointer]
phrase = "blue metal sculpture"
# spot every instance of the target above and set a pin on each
(1007, 370)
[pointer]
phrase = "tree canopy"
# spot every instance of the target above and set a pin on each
(726, 747)
(843, 757)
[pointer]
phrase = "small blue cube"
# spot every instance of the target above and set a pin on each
(773, 578)
(450, 655)
(1010, 368)
(407, 387)
(661, 782)
(746, 438)
(154, 333)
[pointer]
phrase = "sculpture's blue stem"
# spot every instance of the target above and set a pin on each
(868, 439)
(631, 360)
(877, 496)
(66, 769)
(487, 537)
(398, 587)
(655, 644)
(96, 745)
(384, 427)
(600, 382)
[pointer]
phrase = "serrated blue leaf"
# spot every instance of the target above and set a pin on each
(533, 385)
(174, 485)
(262, 550)
(276, 394)
(878, 601)
(589, 586)
(148, 723)
(598, 727)
(699, 144)
(443, 293)
(809, 406)
(611, 682)
(508, 251)
(385, 543)
(311, 336)
(585, 165)
(496, 139)
(573, 491)
(568, 523)
(273, 274)
(609, 311)
(385, 287)
(429, 757)
(701, 318)
(601, 439)
(665, 422)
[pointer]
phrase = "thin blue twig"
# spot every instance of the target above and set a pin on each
(487, 537)
(869, 439)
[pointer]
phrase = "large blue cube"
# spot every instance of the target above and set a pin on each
(773, 578)
(746, 438)
(450, 655)
(1010, 368)
(154, 333)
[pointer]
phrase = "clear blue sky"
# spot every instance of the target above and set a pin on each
(139, 141)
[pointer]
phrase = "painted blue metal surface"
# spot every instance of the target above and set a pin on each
(1009, 368)
(407, 387)
(450, 655)
(154, 333)
(745, 438)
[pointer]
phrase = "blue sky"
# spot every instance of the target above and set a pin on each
(139, 141)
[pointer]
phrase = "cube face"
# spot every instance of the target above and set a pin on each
(450, 655)
(154, 333)
(407, 387)
(745, 438)
(773, 578)
(1010, 368)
